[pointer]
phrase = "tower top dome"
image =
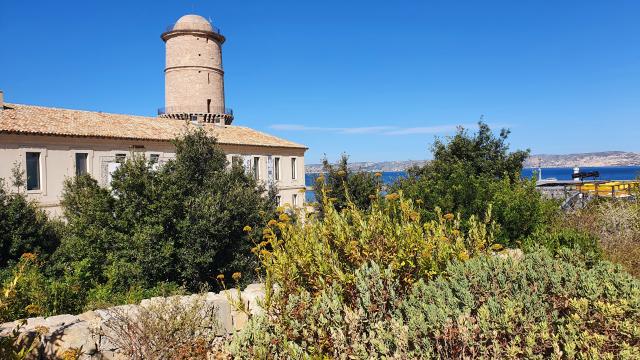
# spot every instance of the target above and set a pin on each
(193, 22)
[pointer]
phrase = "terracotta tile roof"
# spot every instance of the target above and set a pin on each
(39, 120)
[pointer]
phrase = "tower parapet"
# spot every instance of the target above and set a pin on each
(194, 77)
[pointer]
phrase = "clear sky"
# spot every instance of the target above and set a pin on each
(375, 79)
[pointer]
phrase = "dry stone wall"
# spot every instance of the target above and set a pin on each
(86, 332)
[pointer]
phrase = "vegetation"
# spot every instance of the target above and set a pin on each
(471, 171)
(24, 228)
(324, 251)
(347, 289)
(344, 186)
(164, 329)
(616, 226)
(155, 231)
(462, 259)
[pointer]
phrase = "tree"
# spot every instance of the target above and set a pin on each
(23, 226)
(341, 184)
(470, 172)
(180, 223)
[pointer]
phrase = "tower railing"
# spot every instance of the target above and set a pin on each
(195, 109)
(196, 26)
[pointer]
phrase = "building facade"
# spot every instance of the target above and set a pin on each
(52, 144)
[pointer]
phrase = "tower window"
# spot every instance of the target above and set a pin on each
(33, 171)
(208, 105)
(208, 78)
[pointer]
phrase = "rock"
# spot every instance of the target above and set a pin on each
(89, 332)
(223, 313)
(77, 336)
(59, 320)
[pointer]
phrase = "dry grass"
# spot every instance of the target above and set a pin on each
(617, 226)
(171, 329)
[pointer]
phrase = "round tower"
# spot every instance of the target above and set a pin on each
(194, 79)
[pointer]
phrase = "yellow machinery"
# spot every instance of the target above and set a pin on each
(612, 189)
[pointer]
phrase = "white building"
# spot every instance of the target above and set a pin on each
(52, 144)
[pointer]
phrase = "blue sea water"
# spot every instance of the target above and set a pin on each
(606, 173)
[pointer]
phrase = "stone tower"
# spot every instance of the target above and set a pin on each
(194, 79)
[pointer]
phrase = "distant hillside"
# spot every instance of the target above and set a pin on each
(605, 158)
(383, 166)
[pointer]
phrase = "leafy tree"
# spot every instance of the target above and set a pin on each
(343, 185)
(471, 171)
(23, 226)
(182, 223)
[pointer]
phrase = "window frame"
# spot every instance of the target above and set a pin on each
(276, 168)
(43, 168)
(120, 157)
(86, 162)
(38, 171)
(256, 167)
(294, 168)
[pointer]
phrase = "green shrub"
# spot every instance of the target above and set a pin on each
(470, 172)
(488, 307)
(563, 240)
(24, 228)
(181, 223)
(520, 210)
(345, 186)
(322, 251)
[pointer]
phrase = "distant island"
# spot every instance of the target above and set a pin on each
(594, 159)
(382, 166)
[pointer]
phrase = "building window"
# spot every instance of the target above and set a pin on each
(294, 169)
(208, 105)
(121, 158)
(33, 171)
(278, 200)
(256, 168)
(154, 158)
(236, 160)
(294, 200)
(81, 163)
(276, 168)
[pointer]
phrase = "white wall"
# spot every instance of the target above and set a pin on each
(57, 162)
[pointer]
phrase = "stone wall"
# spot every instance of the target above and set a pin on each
(86, 332)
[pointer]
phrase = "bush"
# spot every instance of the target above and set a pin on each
(488, 307)
(520, 210)
(181, 224)
(563, 239)
(344, 186)
(165, 329)
(616, 226)
(24, 228)
(323, 251)
(470, 172)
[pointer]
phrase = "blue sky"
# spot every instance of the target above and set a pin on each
(375, 79)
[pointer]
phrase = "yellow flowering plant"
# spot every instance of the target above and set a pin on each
(326, 250)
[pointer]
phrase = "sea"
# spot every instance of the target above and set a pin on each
(606, 173)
